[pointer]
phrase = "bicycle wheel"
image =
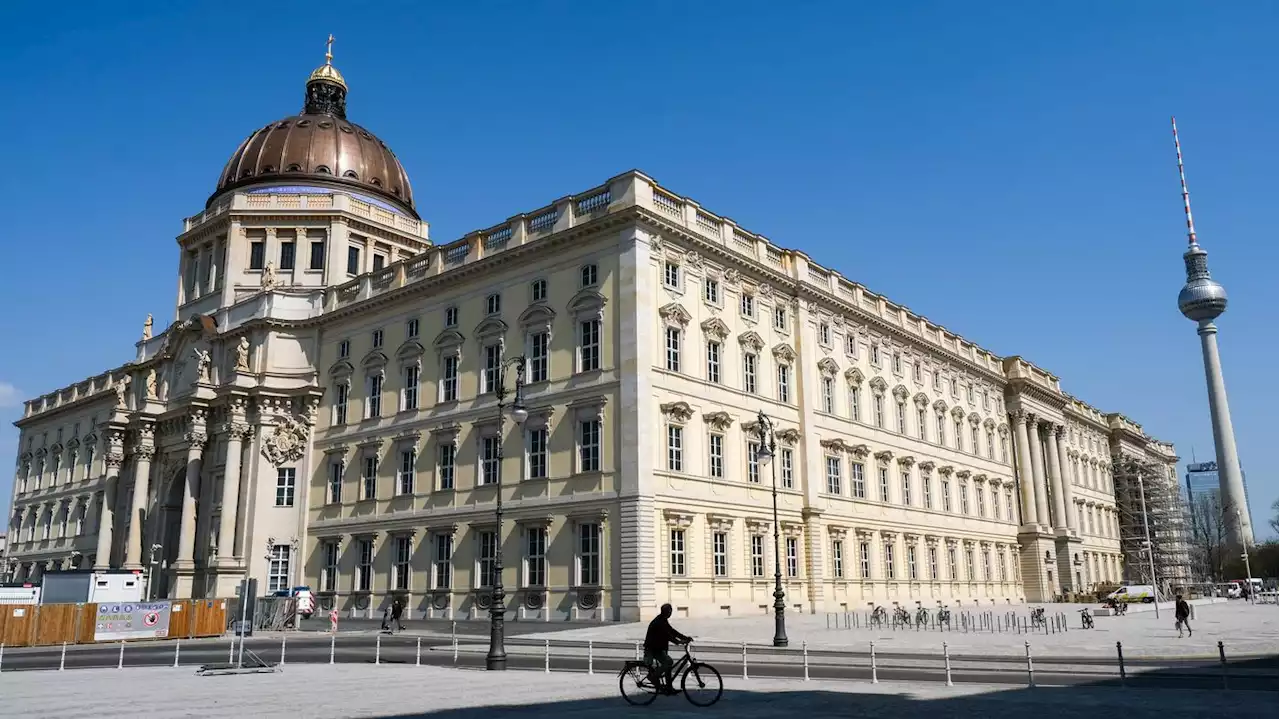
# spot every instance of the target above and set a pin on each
(706, 687)
(634, 683)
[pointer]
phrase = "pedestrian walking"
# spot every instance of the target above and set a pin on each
(397, 611)
(1182, 614)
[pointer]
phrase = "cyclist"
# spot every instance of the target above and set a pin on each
(656, 641)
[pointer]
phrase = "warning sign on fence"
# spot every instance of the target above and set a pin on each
(131, 621)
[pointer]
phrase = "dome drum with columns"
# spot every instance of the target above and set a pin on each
(320, 147)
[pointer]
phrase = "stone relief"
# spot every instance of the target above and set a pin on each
(242, 354)
(287, 441)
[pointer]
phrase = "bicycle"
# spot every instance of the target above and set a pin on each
(922, 617)
(1086, 619)
(644, 677)
(879, 616)
(901, 617)
(944, 616)
(1037, 616)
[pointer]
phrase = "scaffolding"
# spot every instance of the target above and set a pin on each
(1150, 509)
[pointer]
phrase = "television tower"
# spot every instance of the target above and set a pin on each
(1202, 300)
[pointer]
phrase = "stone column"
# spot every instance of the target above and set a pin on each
(143, 452)
(1026, 475)
(113, 459)
(237, 431)
(1054, 465)
(1037, 470)
(1068, 495)
(196, 439)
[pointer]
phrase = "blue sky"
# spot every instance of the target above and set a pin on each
(1005, 169)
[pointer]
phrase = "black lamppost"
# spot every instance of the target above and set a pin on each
(496, 659)
(764, 455)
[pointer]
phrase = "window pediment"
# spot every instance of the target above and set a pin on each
(675, 313)
(718, 420)
(854, 376)
(374, 361)
(783, 353)
(788, 436)
(901, 393)
(449, 340)
(537, 316)
(586, 302)
(940, 407)
(989, 423)
(751, 341)
(974, 419)
(677, 411)
(491, 328)
(957, 412)
(922, 400)
(341, 368)
(715, 327)
(828, 367)
(410, 350)
(878, 385)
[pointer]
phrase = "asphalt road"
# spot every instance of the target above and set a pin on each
(1257, 675)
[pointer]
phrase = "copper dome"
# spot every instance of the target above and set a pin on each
(319, 146)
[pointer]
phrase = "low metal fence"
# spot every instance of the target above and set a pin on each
(958, 621)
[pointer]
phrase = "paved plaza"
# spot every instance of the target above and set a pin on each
(391, 692)
(1243, 629)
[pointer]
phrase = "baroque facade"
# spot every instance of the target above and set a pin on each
(322, 411)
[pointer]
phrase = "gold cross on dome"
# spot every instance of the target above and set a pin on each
(328, 51)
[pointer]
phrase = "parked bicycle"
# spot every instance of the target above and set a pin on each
(1118, 608)
(641, 682)
(922, 617)
(879, 616)
(901, 617)
(1037, 616)
(944, 616)
(1086, 618)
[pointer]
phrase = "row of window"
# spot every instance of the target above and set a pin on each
(857, 489)
(939, 436)
(79, 464)
(488, 466)
(587, 569)
(65, 518)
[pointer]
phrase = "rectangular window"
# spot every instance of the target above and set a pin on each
(410, 396)
(444, 467)
(834, 479)
(449, 379)
(757, 555)
(959, 433)
(864, 558)
(278, 571)
(493, 304)
(713, 362)
(82, 518)
(946, 495)
(537, 454)
(837, 559)
(968, 565)
(408, 459)
(748, 305)
(335, 482)
(589, 445)
(888, 561)
(317, 255)
(851, 345)
(442, 577)
(933, 563)
(884, 484)
(492, 366)
(677, 553)
(451, 316)
(588, 555)
(749, 373)
(720, 554)
(329, 575)
(964, 498)
(1004, 450)
(539, 344)
(715, 456)
(353, 260)
(1004, 574)
(855, 401)
(538, 291)
(780, 318)
(344, 349)
(711, 291)
(986, 565)
(787, 457)
(535, 557)
(364, 567)
(875, 355)
(377, 338)
(906, 486)
(369, 480)
(379, 261)
(828, 395)
(902, 418)
(784, 383)
(411, 328)
(926, 489)
(257, 255)
(793, 557)
(487, 559)
(673, 349)
(589, 346)
(588, 276)
(973, 440)
(824, 333)
(288, 255)
(952, 569)
(374, 404)
(980, 495)
(671, 275)
(753, 462)
(942, 429)
(991, 444)
(922, 424)
(489, 451)
(857, 481)
(286, 480)
(400, 571)
(675, 448)
(877, 404)
(911, 564)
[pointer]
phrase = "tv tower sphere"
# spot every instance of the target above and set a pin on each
(1201, 298)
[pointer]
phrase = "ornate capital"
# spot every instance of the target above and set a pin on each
(907, 460)
(927, 465)
(677, 411)
(860, 451)
(718, 420)
(788, 436)
(114, 459)
(196, 438)
(143, 452)
(884, 455)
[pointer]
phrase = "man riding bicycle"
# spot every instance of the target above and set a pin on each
(657, 639)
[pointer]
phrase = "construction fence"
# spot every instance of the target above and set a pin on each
(38, 625)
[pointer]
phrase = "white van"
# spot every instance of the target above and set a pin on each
(1144, 593)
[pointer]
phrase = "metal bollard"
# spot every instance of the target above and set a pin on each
(177, 652)
(874, 678)
(546, 656)
(62, 661)
(332, 640)
(1120, 658)
(946, 657)
(282, 641)
(417, 654)
(377, 649)
(804, 646)
(1222, 657)
(455, 649)
(1, 655)
(231, 650)
(591, 657)
(1031, 672)
(744, 660)
(637, 651)
(120, 661)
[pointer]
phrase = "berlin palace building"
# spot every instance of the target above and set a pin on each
(323, 410)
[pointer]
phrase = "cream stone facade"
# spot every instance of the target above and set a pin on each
(332, 422)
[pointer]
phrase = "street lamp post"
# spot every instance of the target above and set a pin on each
(496, 659)
(764, 455)
(151, 571)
